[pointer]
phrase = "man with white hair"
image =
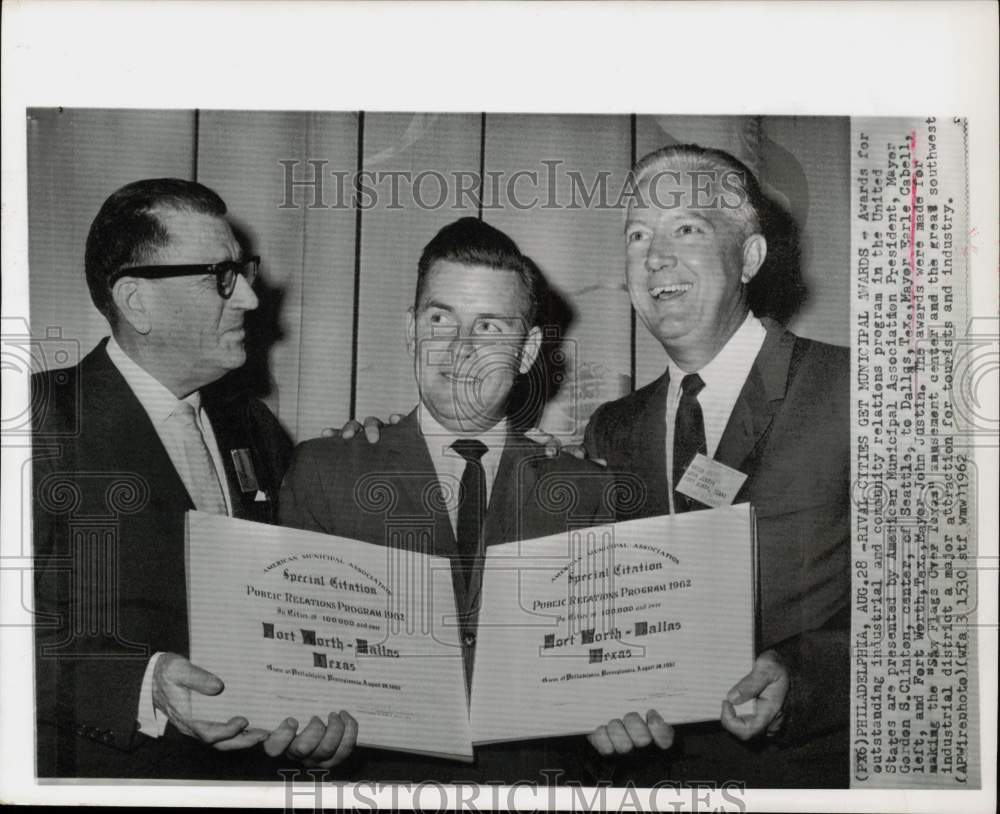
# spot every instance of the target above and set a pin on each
(752, 397)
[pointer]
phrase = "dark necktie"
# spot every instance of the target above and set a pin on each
(472, 508)
(689, 437)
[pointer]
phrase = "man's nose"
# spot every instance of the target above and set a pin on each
(661, 254)
(243, 296)
(464, 345)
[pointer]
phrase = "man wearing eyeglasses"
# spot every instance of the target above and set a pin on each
(124, 444)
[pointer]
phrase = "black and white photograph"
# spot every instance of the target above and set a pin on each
(369, 452)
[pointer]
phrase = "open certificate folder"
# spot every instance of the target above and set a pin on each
(646, 614)
(574, 629)
(297, 624)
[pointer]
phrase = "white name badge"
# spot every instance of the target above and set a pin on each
(711, 482)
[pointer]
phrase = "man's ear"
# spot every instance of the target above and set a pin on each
(529, 350)
(129, 297)
(411, 331)
(754, 252)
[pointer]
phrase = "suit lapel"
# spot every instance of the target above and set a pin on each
(233, 436)
(113, 411)
(510, 504)
(649, 440)
(420, 491)
(757, 404)
(512, 490)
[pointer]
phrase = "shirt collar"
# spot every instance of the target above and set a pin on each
(731, 365)
(156, 400)
(441, 438)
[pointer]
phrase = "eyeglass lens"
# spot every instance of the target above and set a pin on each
(248, 268)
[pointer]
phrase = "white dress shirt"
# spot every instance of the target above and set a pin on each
(159, 403)
(724, 378)
(449, 465)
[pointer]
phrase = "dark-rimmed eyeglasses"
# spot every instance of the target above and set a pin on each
(225, 273)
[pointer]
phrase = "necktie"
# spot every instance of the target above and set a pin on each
(689, 436)
(206, 491)
(472, 508)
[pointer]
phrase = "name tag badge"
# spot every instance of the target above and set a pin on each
(711, 482)
(243, 464)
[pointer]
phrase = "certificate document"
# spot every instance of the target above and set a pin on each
(580, 628)
(299, 624)
(573, 630)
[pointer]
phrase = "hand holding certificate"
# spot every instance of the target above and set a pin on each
(573, 629)
(300, 623)
(645, 614)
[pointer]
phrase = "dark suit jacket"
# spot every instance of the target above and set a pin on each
(790, 433)
(374, 492)
(110, 582)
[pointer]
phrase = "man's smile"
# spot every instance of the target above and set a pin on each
(457, 379)
(674, 291)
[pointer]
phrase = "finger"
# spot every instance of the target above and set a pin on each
(661, 732)
(550, 442)
(746, 688)
(183, 672)
(775, 691)
(349, 430)
(768, 684)
(766, 709)
(373, 429)
(327, 746)
(619, 737)
(766, 670)
(637, 730)
(743, 727)
(214, 732)
(277, 742)
(244, 740)
(347, 741)
(395, 418)
(601, 462)
(601, 741)
(328, 432)
(350, 738)
(307, 740)
(255, 732)
(577, 451)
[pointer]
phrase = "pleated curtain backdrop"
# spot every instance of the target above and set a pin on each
(329, 339)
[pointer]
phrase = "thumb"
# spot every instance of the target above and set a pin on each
(747, 687)
(195, 678)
